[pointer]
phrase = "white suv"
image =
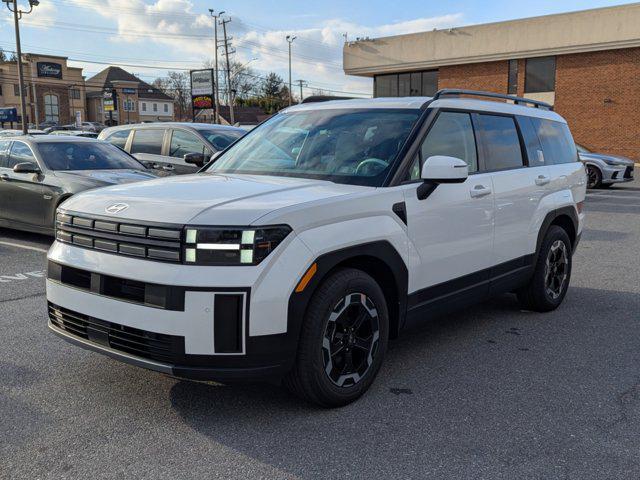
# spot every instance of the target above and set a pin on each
(319, 236)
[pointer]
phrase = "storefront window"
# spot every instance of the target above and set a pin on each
(540, 75)
(51, 108)
(406, 84)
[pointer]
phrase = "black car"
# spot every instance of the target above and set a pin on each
(39, 173)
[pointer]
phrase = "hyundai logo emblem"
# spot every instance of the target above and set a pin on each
(116, 208)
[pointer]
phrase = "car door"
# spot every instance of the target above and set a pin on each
(520, 187)
(5, 186)
(183, 142)
(23, 202)
(147, 145)
(451, 231)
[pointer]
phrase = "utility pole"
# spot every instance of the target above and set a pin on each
(17, 15)
(290, 40)
(226, 53)
(302, 83)
(216, 95)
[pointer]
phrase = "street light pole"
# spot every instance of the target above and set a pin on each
(290, 40)
(17, 15)
(216, 96)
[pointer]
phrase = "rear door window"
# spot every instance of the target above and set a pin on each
(501, 142)
(531, 142)
(4, 152)
(20, 153)
(556, 140)
(148, 140)
(119, 138)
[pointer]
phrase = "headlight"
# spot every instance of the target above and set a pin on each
(613, 162)
(231, 246)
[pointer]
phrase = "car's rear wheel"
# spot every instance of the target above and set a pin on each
(550, 281)
(343, 340)
(594, 177)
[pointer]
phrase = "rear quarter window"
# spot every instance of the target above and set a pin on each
(556, 140)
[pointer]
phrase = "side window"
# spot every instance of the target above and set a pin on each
(557, 143)
(4, 152)
(451, 135)
(532, 143)
(147, 140)
(119, 138)
(501, 142)
(186, 142)
(20, 152)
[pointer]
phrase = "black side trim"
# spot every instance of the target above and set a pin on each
(549, 219)
(467, 290)
(400, 209)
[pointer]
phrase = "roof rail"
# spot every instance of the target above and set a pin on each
(517, 100)
(323, 98)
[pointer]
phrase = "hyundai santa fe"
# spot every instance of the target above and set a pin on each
(321, 235)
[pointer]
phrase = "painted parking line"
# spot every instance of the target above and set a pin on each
(21, 277)
(25, 247)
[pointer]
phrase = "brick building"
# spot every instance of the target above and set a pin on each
(135, 100)
(54, 90)
(586, 64)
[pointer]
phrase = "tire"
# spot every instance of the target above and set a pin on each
(320, 375)
(604, 186)
(594, 177)
(545, 291)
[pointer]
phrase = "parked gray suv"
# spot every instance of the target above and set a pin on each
(605, 170)
(172, 147)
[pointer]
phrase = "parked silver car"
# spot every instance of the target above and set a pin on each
(605, 170)
(176, 147)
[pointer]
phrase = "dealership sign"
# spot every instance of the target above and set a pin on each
(49, 69)
(202, 87)
(109, 101)
(8, 114)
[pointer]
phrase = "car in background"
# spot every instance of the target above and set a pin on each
(605, 170)
(174, 146)
(74, 133)
(47, 124)
(15, 132)
(38, 173)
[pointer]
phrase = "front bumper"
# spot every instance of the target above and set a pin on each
(617, 174)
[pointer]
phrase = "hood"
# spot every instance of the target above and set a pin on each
(99, 178)
(611, 158)
(206, 199)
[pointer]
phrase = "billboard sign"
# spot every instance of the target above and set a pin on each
(109, 101)
(202, 87)
(8, 114)
(49, 69)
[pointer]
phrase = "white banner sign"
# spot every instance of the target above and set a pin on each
(202, 82)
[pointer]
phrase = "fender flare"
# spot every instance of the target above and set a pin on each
(568, 211)
(380, 250)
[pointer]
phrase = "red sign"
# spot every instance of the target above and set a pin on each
(202, 102)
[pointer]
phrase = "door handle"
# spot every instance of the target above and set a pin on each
(4, 177)
(168, 168)
(542, 180)
(479, 191)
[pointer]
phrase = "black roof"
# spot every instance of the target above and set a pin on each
(104, 80)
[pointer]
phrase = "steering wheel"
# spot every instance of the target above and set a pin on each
(370, 162)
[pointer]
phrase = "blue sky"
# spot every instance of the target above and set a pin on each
(147, 37)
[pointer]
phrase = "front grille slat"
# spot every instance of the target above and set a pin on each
(149, 345)
(120, 238)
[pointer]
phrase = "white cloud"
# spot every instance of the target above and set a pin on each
(185, 34)
(40, 17)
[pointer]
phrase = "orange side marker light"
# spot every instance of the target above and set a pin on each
(306, 278)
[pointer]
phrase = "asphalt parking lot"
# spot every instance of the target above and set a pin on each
(492, 392)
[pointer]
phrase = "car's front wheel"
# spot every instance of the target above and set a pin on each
(343, 340)
(594, 177)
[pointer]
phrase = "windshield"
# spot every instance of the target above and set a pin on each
(220, 139)
(344, 146)
(86, 156)
(582, 149)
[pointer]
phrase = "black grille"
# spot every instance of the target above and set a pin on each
(149, 345)
(628, 173)
(120, 238)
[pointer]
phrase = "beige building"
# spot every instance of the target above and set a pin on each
(54, 90)
(586, 64)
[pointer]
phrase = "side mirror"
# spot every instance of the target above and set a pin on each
(197, 159)
(441, 169)
(26, 167)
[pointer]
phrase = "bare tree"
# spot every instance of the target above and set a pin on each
(177, 86)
